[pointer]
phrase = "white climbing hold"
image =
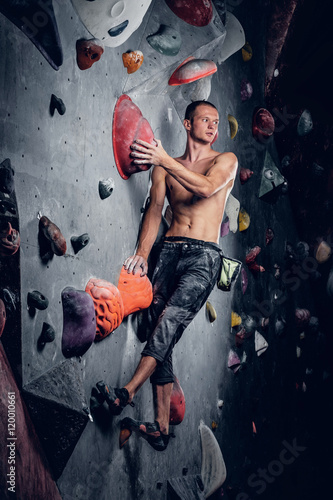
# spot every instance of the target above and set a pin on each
(213, 469)
(260, 343)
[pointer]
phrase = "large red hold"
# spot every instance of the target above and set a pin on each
(128, 126)
(177, 404)
(9, 240)
(195, 12)
(53, 234)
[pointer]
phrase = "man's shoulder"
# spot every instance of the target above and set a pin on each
(225, 159)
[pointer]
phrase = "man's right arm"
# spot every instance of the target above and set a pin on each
(150, 225)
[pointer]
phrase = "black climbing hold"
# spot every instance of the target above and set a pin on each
(57, 104)
(7, 206)
(79, 242)
(105, 188)
(117, 30)
(37, 300)
(6, 177)
(47, 335)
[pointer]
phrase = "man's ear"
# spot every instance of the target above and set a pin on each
(187, 124)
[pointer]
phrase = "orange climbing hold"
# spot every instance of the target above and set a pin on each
(109, 308)
(132, 60)
(136, 291)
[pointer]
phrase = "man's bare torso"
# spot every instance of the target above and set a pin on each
(194, 217)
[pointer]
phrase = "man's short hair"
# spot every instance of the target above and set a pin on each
(193, 106)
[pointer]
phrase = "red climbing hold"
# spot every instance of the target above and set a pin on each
(191, 70)
(177, 404)
(195, 12)
(128, 126)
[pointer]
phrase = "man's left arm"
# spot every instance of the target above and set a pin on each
(222, 172)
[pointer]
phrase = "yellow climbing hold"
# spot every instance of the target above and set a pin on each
(323, 252)
(210, 312)
(247, 52)
(214, 425)
(235, 319)
(244, 220)
(233, 124)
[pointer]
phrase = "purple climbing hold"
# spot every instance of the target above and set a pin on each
(6, 177)
(246, 90)
(225, 227)
(245, 280)
(79, 323)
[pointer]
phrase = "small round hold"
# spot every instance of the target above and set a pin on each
(47, 335)
(276, 72)
(220, 403)
(79, 242)
(37, 300)
(105, 188)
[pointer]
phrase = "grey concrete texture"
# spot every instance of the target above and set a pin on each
(58, 163)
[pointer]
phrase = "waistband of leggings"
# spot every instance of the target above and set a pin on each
(191, 241)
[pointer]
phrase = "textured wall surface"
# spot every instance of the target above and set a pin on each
(58, 163)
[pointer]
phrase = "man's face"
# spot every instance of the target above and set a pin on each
(204, 123)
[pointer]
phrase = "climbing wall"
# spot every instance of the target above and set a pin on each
(244, 363)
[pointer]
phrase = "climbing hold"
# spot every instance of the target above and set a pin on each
(233, 361)
(313, 325)
(195, 12)
(302, 250)
(9, 240)
(302, 336)
(305, 123)
(280, 327)
(109, 307)
(57, 104)
(302, 317)
(79, 242)
(9, 298)
(105, 188)
(88, 52)
(132, 60)
(39, 24)
(37, 300)
(6, 177)
(233, 126)
(263, 124)
(128, 126)
(2, 316)
(231, 210)
(245, 174)
(260, 342)
(249, 324)
(247, 52)
(53, 234)
(246, 90)
(211, 313)
(269, 235)
(254, 428)
(224, 227)
(214, 425)
(111, 21)
(177, 404)
(47, 335)
(250, 260)
(244, 280)
(323, 252)
(271, 177)
(284, 187)
(298, 351)
(166, 41)
(244, 220)
(191, 70)
(79, 322)
(213, 469)
(135, 290)
(240, 337)
(277, 272)
(220, 403)
(235, 319)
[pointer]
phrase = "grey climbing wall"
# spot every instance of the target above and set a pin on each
(58, 162)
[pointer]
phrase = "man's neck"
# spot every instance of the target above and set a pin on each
(196, 151)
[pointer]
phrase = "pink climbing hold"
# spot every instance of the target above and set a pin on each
(191, 70)
(245, 174)
(245, 280)
(251, 260)
(9, 240)
(128, 126)
(263, 124)
(225, 227)
(195, 12)
(233, 361)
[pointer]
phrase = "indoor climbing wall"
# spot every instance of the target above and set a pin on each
(80, 81)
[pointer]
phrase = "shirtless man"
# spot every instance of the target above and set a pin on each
(197, 185)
